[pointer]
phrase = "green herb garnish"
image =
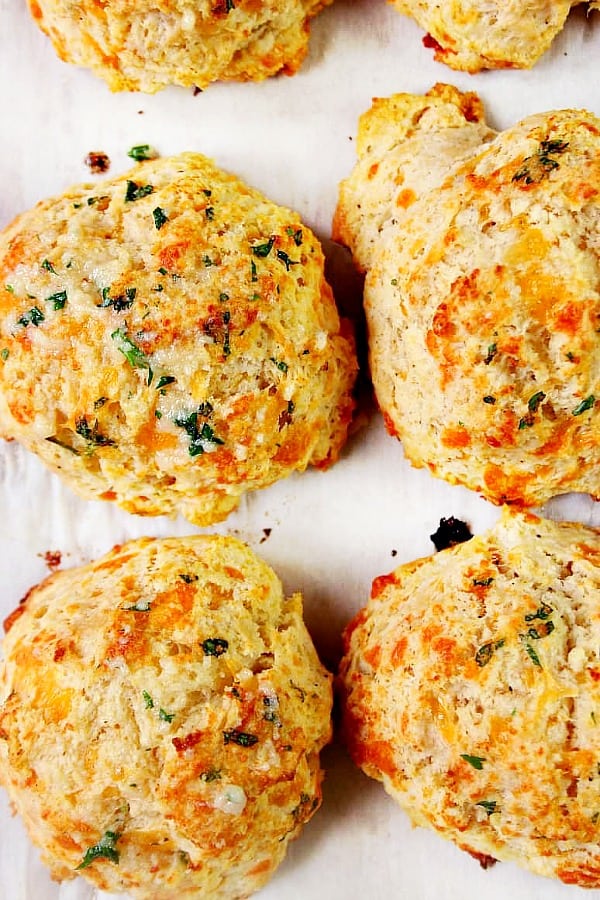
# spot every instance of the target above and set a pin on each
(164, 380)
(202, 437)
(148, 701)
(543, 612)
(263, 250)
(582, 407)
(4, 354)
(475, 761)
(491, 352)
(160, 217)
(47, 265)
(215, 646)
(209, 212)
(242, 738)
(486, 651)
(123, 301)
(104, 849)
(288, 263)
(165, 716)
(91, 433)
(132, 353)
(137, 191)
(57, 300)
(33, 317)
(489, 399)
(539, 166)
(535, 400)
(488, 805)
(142, 152)
(211, 775)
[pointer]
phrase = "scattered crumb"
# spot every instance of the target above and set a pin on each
(266, 535)
(140, 112)
(52, 558)
(485, 861)
(97, 162)
(196, 91)
(451, 531)
(394, 553)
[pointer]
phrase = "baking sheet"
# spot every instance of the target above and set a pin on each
(327, 534)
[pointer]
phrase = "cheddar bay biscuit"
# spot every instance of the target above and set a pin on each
(489, 34)
(144, 47)
(161, 714)
(169, 341)
(471, 690)
(483, 293)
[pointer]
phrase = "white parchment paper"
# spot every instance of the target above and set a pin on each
(326, 534)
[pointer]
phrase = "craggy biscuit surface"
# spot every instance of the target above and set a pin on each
(161, 714)
(168, 340)
(471, 689)
(483, 296)
(146, 46)
(489, 34)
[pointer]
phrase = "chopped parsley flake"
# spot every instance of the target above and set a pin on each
(491, 352)
(543, 612)
(488, 805)
(489, 399)
(140, 606)
(209, 212)
(207, 262)
(165, 716)
(211, 775)
(137, 191)
(104, 849)
(57, 300)
(202, 437)
(296, 235)
(475, 761)
(254, 276)
(91, 433)
(282, 366)
(33, 317)
(148, 701)
(288, 263)
(160, 217)
(132, 353)
(539, 166)
(586, 404)
(535, 400)
(4, 354)
(141, 152)
(263, 250)
(215, 646)
(164, 380)
(188, 578)
(123, 301)
(486, 651)
(241, 738)
(47, 265)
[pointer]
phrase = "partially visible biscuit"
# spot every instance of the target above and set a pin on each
(489, 34)
(161, 715)
(168, 340)
(471, 690)
(144, 47)
(405, 145)
(483, 296)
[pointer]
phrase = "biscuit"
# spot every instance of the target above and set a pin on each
(184, 42)
(483, 294)
(161, 715)
(471, 690)
(168, 340)
(489, 34)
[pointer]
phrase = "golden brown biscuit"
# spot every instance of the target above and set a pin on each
(144, 47)
(489, 34)
(471, 684)
(483, 298)
(168, 340)
(161, 714)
